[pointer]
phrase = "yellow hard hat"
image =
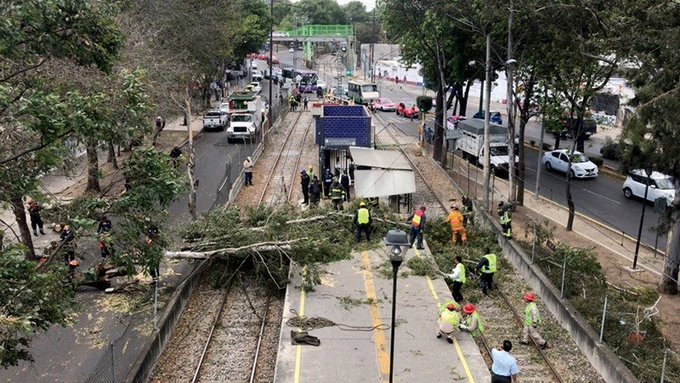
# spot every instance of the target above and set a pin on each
(362, 204)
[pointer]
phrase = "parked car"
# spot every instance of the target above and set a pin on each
(494, 117)
(384, 104)
(256, 76)
(215, 119)
(581, 166)
(255, 85)
(452, 121)
(660, 186)
(291, 50)
(403, 111)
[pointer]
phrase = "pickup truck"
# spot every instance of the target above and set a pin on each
(215, 119)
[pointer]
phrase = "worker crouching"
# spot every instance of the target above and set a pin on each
(448, 320)
(472, 322)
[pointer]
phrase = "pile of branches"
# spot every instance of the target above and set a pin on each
(273, 237)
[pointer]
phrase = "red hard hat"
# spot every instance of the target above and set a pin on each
(468, 308)
(451, 307)
(529, 297)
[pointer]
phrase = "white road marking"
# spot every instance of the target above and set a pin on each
(601, 196)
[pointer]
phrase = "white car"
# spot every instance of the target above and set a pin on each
(581, 167)
(661, 186)
(291, 50)
(255, 85)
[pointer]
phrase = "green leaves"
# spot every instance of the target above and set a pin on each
(30, 301)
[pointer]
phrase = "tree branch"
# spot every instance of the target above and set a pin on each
(36, 148)
(262, 246)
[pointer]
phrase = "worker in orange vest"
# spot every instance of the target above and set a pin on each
(455, 219)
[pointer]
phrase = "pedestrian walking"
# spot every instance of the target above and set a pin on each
(248, 166)
(304, 102)
(67, 244)
(417, 221)
(487, 266)
(304, 182)
(337, 194)
(468, 211)
(505, 216)
(472, 322)
(344, 181)
(315, 191)
(532, 318)
(458, 278)
(327, 181)
(448, 321)
(455, 219)
(363, 221)
(504, 367)
(36, 220)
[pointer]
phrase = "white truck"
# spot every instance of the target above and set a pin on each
(246, 111)
(471, 143)
(215, 119)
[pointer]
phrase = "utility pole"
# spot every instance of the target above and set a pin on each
(271, 67)
(487, 105)
(373, 49)
(512, 183)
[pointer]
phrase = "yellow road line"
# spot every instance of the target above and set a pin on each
(461, 357)
(378, 334)
(298, 348)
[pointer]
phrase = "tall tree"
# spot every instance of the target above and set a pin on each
(651, 45)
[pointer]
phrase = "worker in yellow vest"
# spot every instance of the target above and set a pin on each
(487, 267)
(455, 219)
(363, 220)
(532, 318)
(448, 320)
(457, 276)
(472, 322)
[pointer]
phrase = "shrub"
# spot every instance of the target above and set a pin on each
(597, 161)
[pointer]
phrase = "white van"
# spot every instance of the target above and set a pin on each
(660, 186)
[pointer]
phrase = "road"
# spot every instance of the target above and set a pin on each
(213, 154)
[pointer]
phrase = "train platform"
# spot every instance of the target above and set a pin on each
(358, 292)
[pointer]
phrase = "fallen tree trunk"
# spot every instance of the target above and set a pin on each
(262, 246)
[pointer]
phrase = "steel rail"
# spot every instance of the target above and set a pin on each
(278, 158)
(253, 371)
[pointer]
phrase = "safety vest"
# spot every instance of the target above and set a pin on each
(461, 272)
(450, 317)
(480, 325)
(528, 320)
(505, 215)
(337, 192)
(417, 218)
(456, 220)
(491, 268)
(362, 216)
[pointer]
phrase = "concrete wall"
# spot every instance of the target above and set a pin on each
(599, 355)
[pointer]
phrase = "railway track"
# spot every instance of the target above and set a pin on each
(232, 351)
(280, 181)
(507, 323)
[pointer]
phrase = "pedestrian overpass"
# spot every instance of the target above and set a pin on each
(309, 34)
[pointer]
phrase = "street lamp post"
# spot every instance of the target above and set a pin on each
(397, 240)
(642, 218)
